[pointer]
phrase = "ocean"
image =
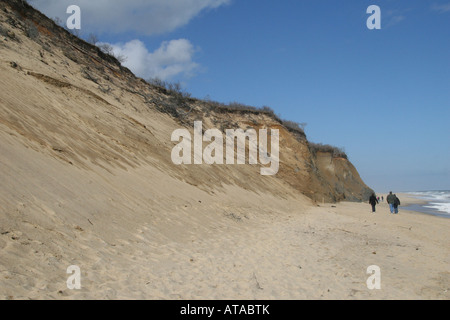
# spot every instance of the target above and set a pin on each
(438, 202)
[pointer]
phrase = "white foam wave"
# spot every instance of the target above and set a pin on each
(441, 207)
(438, 201)
(443, 196)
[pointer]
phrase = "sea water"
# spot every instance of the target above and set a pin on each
(438, 202)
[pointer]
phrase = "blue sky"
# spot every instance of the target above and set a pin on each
(383, 95)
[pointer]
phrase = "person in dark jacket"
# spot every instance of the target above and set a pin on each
(390, 200)
(373, 201)
(396, 204)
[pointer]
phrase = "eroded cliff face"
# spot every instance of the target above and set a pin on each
(65, 99)
(342, 177)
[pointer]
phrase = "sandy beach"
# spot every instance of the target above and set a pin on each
(244, 249)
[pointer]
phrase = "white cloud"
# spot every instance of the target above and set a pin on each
(145, 17)
(441, 8)
(394, 17)
(173, 58)
(394, 20)
(136, 18)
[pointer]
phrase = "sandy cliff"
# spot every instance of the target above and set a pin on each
(85, 161)
(79, 105)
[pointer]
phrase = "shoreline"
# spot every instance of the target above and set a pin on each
(415, 205)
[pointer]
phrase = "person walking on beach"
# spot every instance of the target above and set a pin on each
(396, 204)
(390, 200)
(373, 201)
(382, 198)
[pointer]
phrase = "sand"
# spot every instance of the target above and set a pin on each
(254, 246)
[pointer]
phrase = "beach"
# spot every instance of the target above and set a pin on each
(243, 249)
